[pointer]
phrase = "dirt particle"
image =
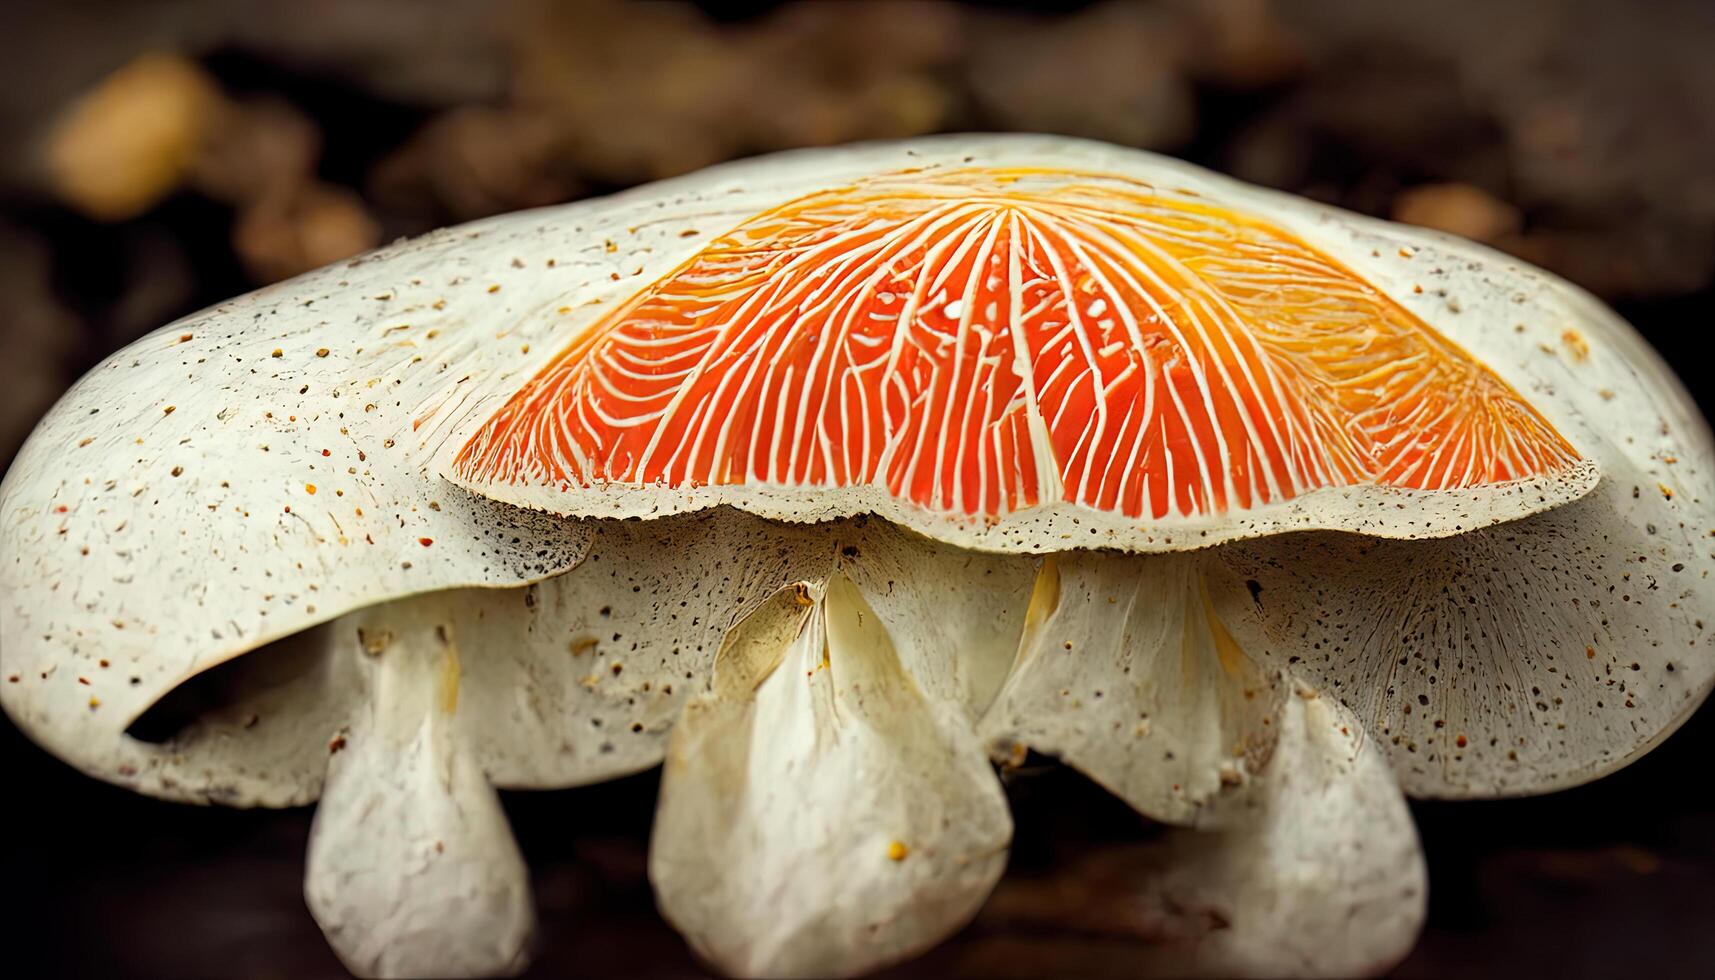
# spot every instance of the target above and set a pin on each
(374, 642)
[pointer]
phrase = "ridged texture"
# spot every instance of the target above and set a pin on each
(983, 341)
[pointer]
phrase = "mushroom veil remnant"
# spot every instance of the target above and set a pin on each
(829, 481)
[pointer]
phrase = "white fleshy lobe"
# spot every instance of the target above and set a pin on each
(1315, 867)
(412, 869)
(1127, 672)
(821, 813)
(1312, 869)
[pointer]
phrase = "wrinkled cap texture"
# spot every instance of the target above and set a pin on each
(829, 477)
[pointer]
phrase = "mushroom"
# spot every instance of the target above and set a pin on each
(825, 479)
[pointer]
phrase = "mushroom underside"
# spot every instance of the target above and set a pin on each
(829, 696)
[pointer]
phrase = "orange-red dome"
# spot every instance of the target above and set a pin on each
(983, 341)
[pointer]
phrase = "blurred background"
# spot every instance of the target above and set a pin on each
(160, 156)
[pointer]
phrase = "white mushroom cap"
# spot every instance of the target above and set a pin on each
(423, 340)
(276, 467)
